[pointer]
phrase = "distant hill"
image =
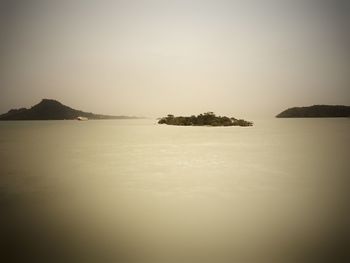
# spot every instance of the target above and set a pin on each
(316, 111)
(49, 109)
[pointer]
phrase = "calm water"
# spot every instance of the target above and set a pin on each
(133, 191)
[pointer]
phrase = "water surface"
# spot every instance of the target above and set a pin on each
(133, 191)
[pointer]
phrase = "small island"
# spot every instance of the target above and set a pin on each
(316, 111)
(205, 119)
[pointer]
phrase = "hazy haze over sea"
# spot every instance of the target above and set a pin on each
(153, 57)
(129, 190)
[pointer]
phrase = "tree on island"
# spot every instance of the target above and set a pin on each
(205, 119)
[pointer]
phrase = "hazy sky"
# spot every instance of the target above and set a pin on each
(243, 58)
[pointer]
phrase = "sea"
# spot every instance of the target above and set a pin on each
(135, 191)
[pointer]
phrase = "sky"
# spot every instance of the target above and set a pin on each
(251, 58)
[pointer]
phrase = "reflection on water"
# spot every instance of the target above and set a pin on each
(132, 191)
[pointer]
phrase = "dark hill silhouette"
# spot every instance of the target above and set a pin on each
(49, 109)
(316, 111)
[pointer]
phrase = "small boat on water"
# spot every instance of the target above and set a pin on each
(82, 118)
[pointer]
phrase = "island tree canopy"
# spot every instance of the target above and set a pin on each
(205, 119)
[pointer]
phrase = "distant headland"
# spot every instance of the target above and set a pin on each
(49, 109)
(316, 111)
(206, 119)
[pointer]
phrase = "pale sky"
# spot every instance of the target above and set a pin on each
(240, 58)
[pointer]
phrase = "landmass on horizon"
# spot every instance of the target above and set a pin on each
(316, 111)
(205, 119)
(49, 109)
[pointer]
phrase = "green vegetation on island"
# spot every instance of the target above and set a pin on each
(316, 111)
(53, 110)
(205, 119)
